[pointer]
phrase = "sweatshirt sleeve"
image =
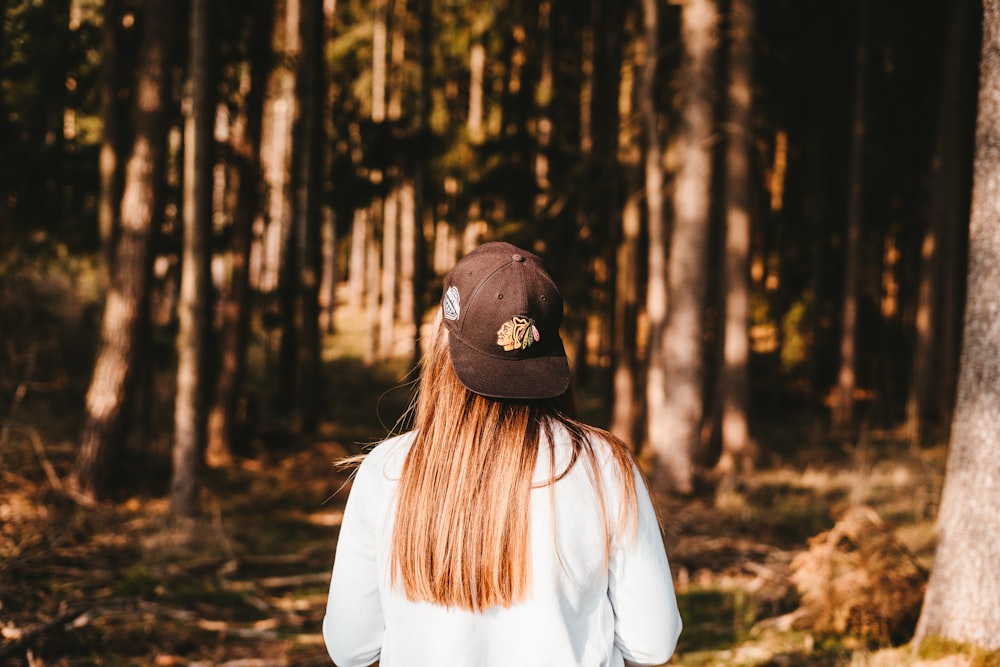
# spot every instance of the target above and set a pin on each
(353, 625)
(647, 622)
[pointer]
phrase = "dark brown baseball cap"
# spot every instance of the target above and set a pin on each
(502, 311)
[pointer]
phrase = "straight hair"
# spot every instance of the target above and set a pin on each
(461, 532)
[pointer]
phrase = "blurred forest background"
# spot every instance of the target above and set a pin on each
(223, 225)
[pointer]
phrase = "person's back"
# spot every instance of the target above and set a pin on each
(501, 531)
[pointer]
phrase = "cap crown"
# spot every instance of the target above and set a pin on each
(502, 311)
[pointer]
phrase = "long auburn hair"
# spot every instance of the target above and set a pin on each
(461, 533)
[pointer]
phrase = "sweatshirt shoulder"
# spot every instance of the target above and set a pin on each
(387, 457)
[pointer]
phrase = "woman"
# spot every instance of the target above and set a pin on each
(500, 531)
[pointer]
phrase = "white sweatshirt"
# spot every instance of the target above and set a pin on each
(580, 611)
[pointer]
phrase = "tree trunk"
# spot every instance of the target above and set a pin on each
(125, 307)
(407, 264)
(110, 195)
(656, 285)
(356, 280)
(952, 182)
(371, 304)
(328, 281)
(675, 424)
(380, 46)
(190, 412)
(737, 450)
(390, 274)
(477, 73)
(288, 274)
(422, 110)
(627, 417)
(962, 602)
(543, 119)
(843, 413)
(235, 302)
(308, 225)
(397, 61)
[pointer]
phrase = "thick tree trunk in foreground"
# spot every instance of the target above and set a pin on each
(963, 597)
(124, 309)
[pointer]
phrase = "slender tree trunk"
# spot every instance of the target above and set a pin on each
(380, 47)
(114, 374)
(328, 281)
(356, 280)
(407, 262)
(600, 95)
(843, 414)
(190, 414)
(923, 353)
(477, 74)
(627, 416)
(277, 137)
(962, 602)
(54, 92)
(372, 285)
(656, 285)
(390, 274)
(543, 120)
(235, 303)
(675, 423)
(954, 140)
(309, 192)
(397, 61)
(110, 192)
(422, 111)
(734, 379)
(288, 275)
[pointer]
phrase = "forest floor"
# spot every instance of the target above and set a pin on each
(818, 558)
(244, 585)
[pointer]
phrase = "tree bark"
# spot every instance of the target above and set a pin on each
(675, 423)
(235, 302)
(397, 61)
(288, 274)
(110, 195)
(380, 47)
(627, 416)
(114, 373)
(962, 602)
(190, 413)
(357, 264)
(843, 413)
(390, 274)
(737, 450)
(656, 285)
(308, 225)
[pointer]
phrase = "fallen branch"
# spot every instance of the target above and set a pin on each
(24, 641)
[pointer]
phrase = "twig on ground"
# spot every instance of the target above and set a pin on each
(43, 457)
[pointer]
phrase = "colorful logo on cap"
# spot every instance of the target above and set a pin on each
(452, 304)
(518, 333)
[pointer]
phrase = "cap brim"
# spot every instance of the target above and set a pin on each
(545, 376)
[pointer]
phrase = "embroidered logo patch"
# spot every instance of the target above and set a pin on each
(452, 304)
(518, 333)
